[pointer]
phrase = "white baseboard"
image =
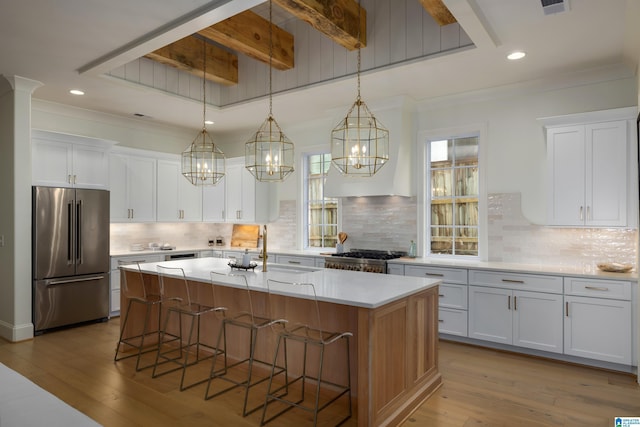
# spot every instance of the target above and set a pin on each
(15, 333)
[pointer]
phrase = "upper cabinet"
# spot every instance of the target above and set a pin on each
(247, 200)
(213, 202)
(133, 187)
(178, 199)
(588, 173)
(64, 160)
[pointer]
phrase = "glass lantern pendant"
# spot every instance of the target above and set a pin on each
(268, 154)
(359, 143)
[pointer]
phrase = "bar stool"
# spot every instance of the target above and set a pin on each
(309, 333)
(179, 302)
(138, 292)
(244, 317)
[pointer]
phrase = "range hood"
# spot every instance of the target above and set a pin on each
(395, 178)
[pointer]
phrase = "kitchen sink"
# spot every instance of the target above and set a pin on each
(292, 269)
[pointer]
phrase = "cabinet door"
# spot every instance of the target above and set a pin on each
(606, 174)
(189, 199)
(52, 163)
(118, 186)
(213, 202)
(240, 192)
(598, 329)
(167, 204)
(90, 167)
(566, 175)
(537, 321)
(141, 185)
(490, 314)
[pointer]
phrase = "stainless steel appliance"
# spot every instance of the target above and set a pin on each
(70, 256)
(367, 260)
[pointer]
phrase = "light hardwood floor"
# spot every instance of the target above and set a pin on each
(481, 387)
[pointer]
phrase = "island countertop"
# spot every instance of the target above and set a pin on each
(367, 290)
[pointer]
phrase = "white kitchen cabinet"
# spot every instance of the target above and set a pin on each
(63, 160)
(587, 170)
(132, 180)
(213, 202)
(248, 201)
(397, 269)
(597, 319)
(178, 199)
(116, 262)
(452, 296)
(518, 309)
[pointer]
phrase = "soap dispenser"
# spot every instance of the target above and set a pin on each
(246, 258)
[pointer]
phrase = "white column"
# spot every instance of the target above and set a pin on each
(15, 209)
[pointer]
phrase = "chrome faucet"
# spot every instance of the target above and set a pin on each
(264, 248)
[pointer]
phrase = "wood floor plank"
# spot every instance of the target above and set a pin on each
(481, 387)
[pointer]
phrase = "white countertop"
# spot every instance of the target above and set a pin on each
(368, 290)
(586, 270)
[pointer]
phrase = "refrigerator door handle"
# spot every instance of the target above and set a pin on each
(62, 282)
(70, 232)
(79, 232)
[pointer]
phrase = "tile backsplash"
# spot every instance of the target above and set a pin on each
(390, 222)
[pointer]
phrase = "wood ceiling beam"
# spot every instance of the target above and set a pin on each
(337, 19)
(248, 32)
(438, 11)
(186, 54)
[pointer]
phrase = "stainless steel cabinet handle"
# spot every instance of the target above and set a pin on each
(434, 274)
(566, 308)
(589, 212)
(440, 320)
(441, 295)
(515, 303)
(509, 302)
(596, 288)
(512, 281)
(75, 179)
(581, 216)
(69, 179)
(293, 262)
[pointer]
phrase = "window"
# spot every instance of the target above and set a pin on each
(321, 212)
(452, 196)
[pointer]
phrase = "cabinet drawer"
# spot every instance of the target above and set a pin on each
(525, 282)
(611, 289)
(397, 269)
(447, 275)
(453, 296)
(452, 322)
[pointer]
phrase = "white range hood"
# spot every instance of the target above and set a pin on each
(395, 178)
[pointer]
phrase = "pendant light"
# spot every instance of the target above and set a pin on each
(359, 143)
(203, 163)
(269, 153)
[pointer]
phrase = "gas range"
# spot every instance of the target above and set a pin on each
(366, 260)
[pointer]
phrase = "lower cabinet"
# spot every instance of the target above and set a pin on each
(308, 261)
(597, 320)
(452, 296)
(521, 318)
(116, 262)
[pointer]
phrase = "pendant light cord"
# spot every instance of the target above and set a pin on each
(270, 58)
(359, 47)
(204, 87)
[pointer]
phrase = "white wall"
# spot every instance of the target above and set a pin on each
(516, 151)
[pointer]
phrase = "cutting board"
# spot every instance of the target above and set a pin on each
(245, 236)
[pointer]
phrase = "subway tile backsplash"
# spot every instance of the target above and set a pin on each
(390, 222)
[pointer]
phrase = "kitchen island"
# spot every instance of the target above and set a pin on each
(394, 321)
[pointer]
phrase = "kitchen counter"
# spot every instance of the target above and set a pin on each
(368, 290)
(393, 319)
(586, 270)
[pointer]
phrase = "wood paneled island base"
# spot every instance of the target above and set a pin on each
(394, 362)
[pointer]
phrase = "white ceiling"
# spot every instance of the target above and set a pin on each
(69, 43)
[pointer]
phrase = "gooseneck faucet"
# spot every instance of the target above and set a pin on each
(264, 248)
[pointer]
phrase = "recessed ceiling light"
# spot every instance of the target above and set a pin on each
(76, 92)
(516, 55)
(208, 122)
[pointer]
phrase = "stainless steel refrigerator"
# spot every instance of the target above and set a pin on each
(70, 256)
